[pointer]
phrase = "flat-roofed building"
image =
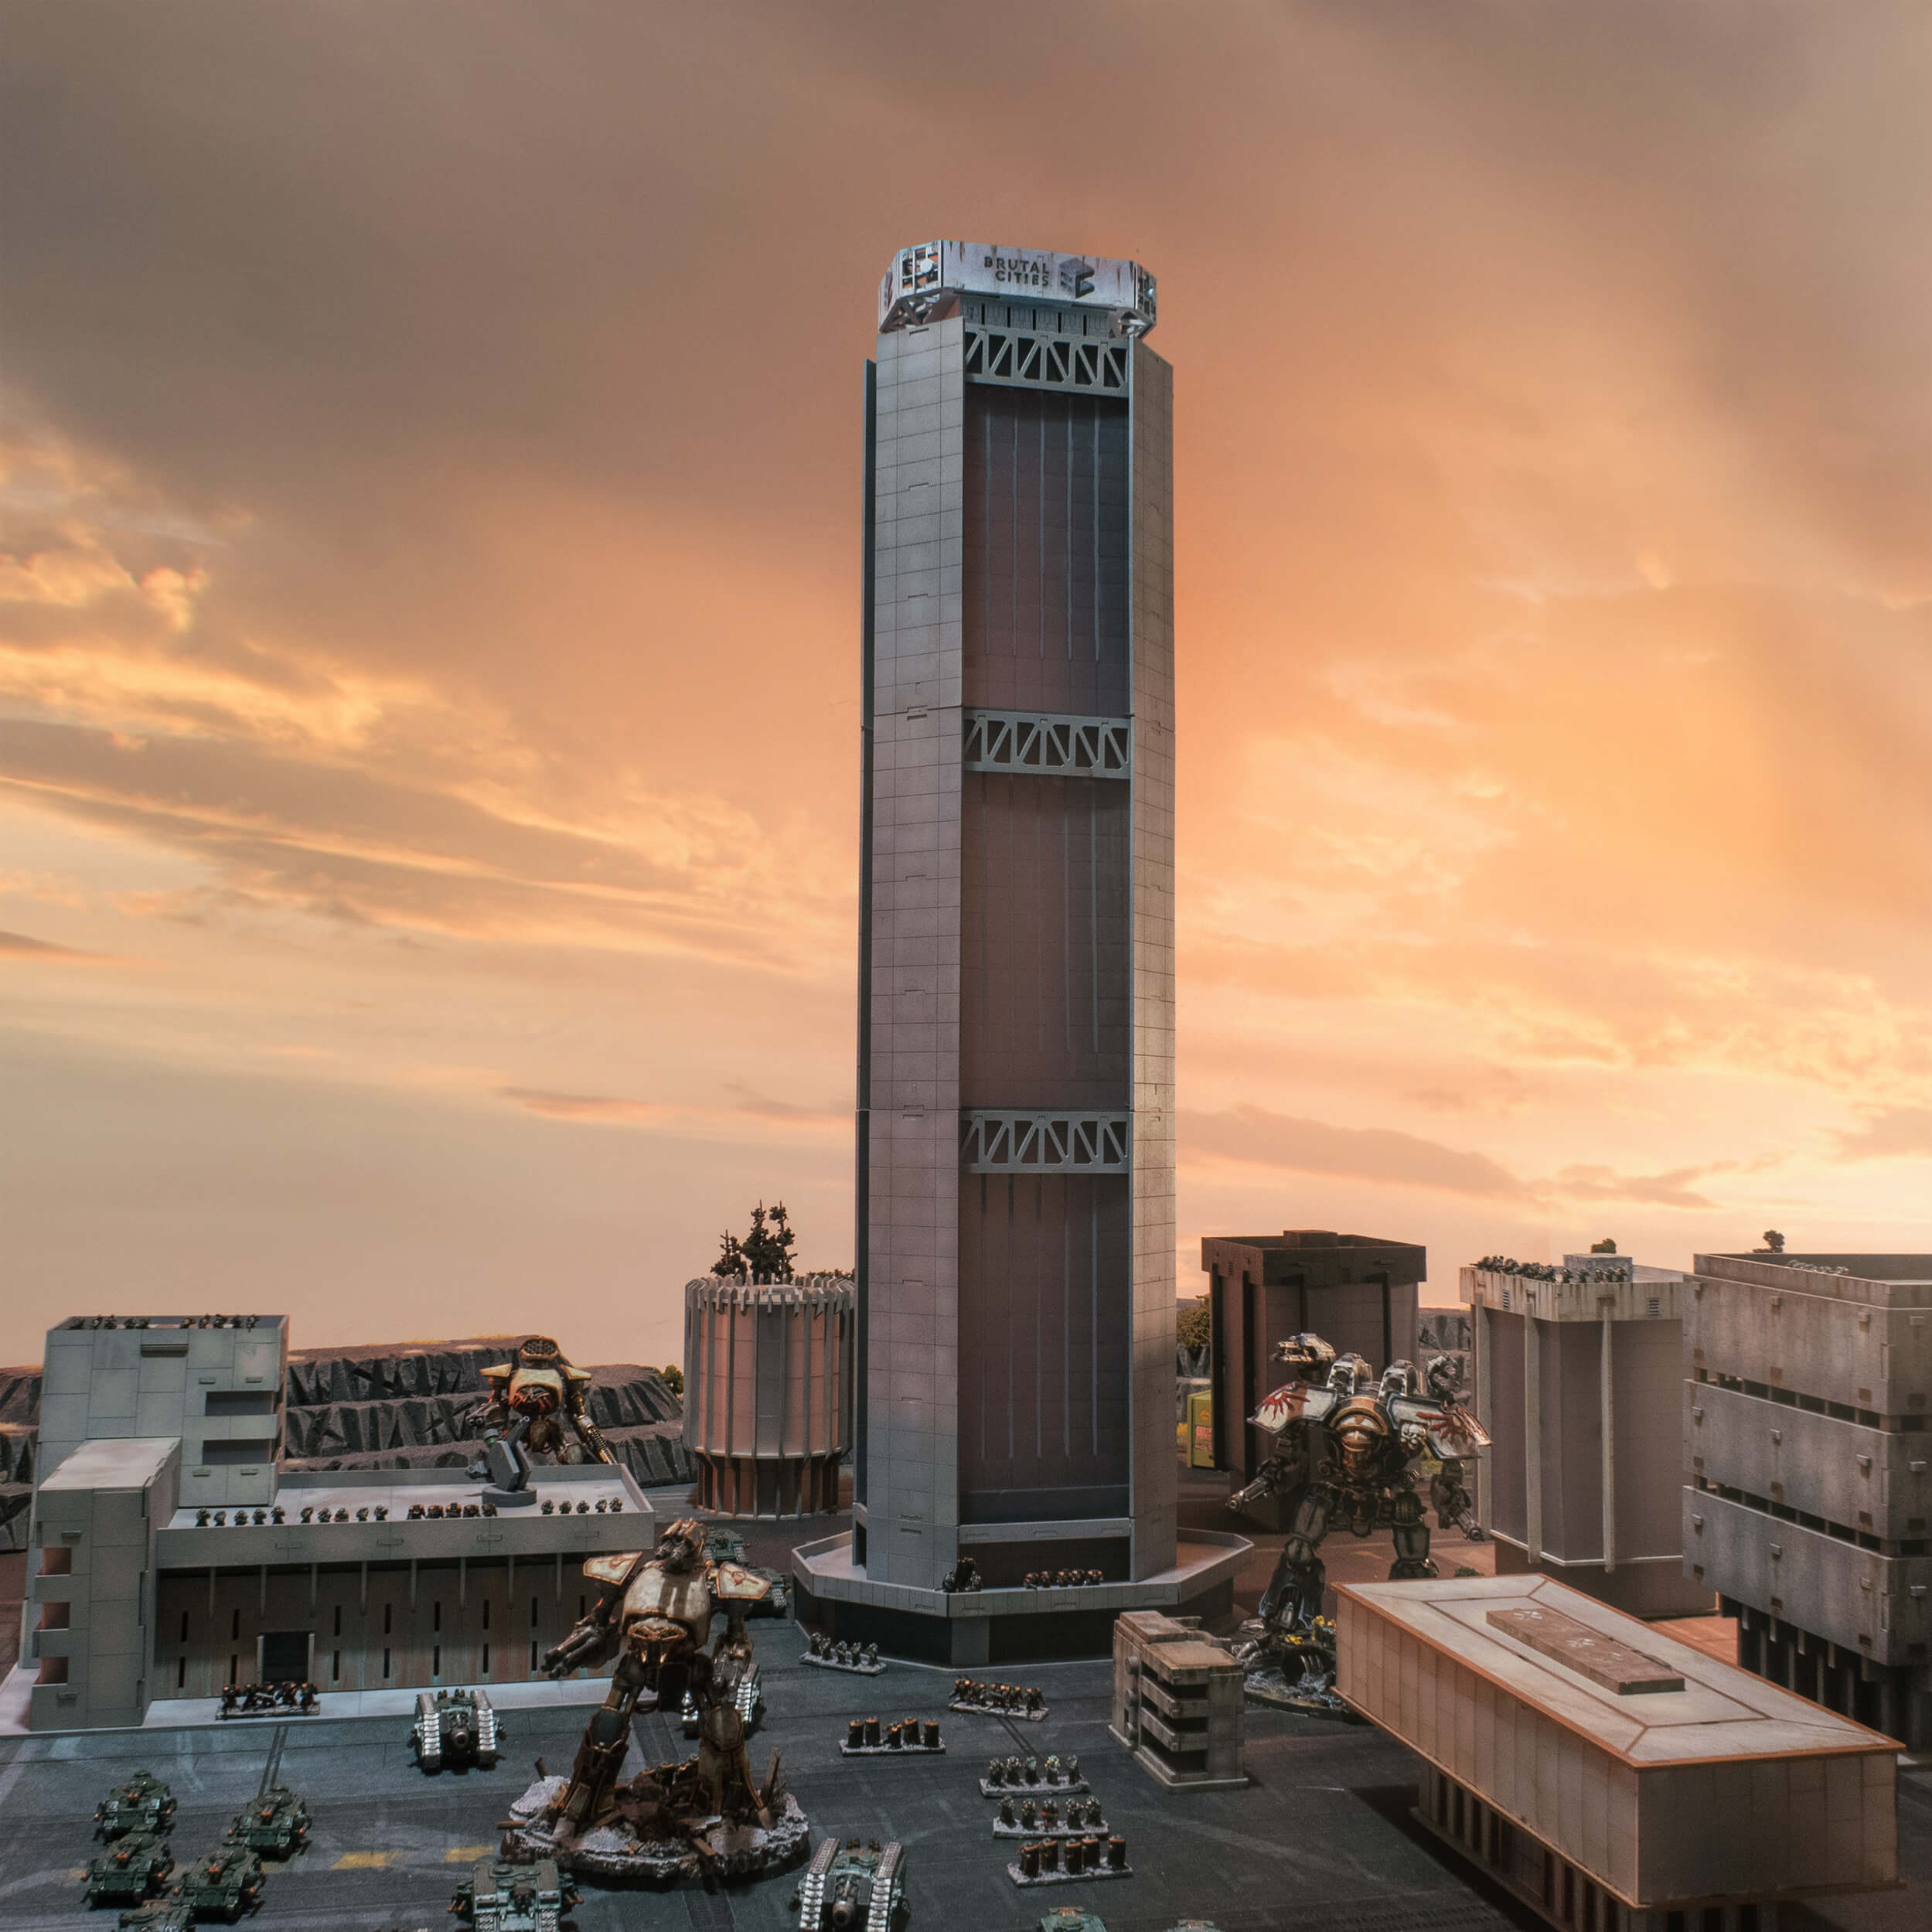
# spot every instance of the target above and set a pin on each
(1614, 1778)
(1806, 1390)
(93, 1583)
(1577, 1372)
(141, 1590)
(217, 1381)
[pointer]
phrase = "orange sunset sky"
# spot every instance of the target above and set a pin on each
(428, 622)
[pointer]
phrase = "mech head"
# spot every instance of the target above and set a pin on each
(1348, 1374)
(538, 1351)
(679, 1545)
(1445, 1376)
(1308, 1355)
(1399, 1378)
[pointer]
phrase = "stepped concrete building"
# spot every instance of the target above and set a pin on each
(1808, 1498)
(1016, 1218)
(173, 1548)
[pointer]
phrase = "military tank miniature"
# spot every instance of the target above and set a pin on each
(1070, 1918)
(500, 1897)
(455, 1727)
(161, 1915)
(855, 1885)
(144, 1804)
(276, 1823)
(132, 1865)
(223, 1884)
(728, 1546)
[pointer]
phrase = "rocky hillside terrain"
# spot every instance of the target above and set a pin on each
(400, 1406)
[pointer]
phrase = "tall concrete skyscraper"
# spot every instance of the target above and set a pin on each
(1015, 1392)
(1016, 1066)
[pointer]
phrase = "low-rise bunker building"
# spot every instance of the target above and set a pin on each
(163, 1566)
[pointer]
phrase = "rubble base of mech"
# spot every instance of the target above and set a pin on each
(1345, 1444)
(705, 1818)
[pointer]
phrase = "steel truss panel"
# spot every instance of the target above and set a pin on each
(1049, 744)
(1029, 1141)
(1018, 358)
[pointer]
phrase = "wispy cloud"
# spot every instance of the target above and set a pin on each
(1894, 1133)
(20, 946)
(658, 1116)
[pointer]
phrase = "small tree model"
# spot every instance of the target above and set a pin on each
(1774, 1241)
(765, 1254)
(1603, 1247)
(1193, 1328)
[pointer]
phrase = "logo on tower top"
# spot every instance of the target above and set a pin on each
(1076, 276)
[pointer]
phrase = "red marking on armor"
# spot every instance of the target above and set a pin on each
(1285, 1405)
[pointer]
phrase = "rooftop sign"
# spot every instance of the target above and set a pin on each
(920, 274)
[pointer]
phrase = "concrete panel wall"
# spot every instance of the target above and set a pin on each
(1822, 1465)
(912, 1364)
(1501, 1412)
(1572, 1441)
(1840, 1350)
(118, 1383)
(1879, 1607)
(391, 1628)
(1155, 1230)
(1760, 1825)
(1646, 1360)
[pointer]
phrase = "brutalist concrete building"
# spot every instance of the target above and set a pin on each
(1016, 1218)
(1807, 1382)
(171, 1552)
(1578, 1375)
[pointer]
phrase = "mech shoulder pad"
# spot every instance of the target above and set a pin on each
(1454, 1434)
(734, 1583)
(612, 1567)
(1296, 1401)
(501, 1372)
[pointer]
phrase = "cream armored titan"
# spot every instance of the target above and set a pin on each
(654, 1614)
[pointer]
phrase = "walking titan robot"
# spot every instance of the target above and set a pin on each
(1346, 1444)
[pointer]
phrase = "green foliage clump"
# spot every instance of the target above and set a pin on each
(765, 1254)
(673, 1378)
(1193, 1328)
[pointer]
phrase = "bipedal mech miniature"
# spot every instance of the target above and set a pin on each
(1347, 1444)
(705, 1816)
(535, 1403)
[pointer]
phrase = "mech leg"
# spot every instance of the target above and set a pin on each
(1294, 1595)
(724, 1775)
(1411, 1536)
(606, 1738)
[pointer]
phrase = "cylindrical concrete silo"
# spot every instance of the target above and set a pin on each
(768, 1393)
